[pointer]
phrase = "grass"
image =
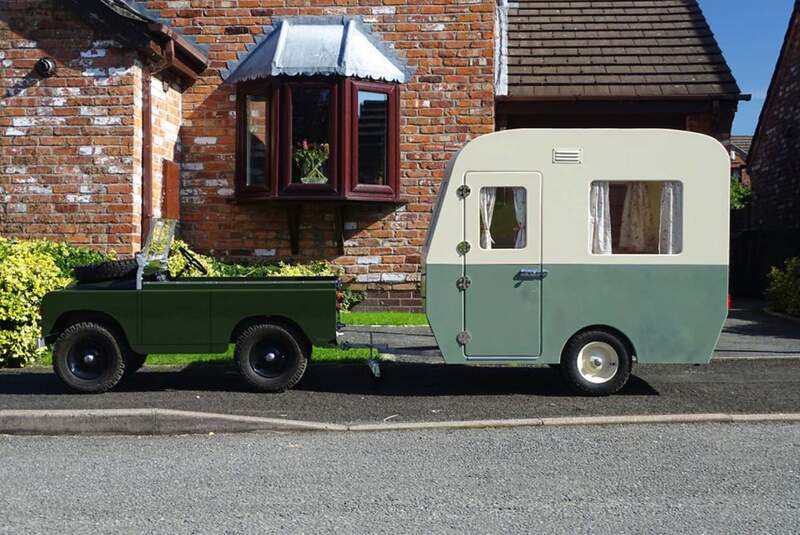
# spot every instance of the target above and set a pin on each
(384, 318)
(320, 354)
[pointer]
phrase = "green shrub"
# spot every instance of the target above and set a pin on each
(740, 194)
(783, 292)
(352, 298)
(26, 274)
(217, 268)
(31, 268)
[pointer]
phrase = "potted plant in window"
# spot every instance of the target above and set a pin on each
(310, 159)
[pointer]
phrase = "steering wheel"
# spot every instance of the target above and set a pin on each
(191, 261)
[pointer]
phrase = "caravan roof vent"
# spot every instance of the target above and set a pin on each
(567, 155)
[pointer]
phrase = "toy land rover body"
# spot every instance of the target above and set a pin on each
(103, 326)
(541, 236)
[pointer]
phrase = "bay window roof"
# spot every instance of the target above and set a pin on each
(309, 46)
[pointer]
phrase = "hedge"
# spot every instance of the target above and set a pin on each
(31, 268)
(783, 292)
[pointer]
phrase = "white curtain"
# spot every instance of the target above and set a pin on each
(600, 218)
(636, 235)
(488, 196)
(519, 211)
(670, 238)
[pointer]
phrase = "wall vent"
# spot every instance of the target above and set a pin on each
(567, 155)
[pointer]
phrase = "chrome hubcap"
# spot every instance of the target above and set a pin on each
(598, 362)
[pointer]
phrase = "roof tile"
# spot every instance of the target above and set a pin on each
(614, 47)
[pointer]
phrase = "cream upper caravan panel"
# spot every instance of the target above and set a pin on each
(699, 162)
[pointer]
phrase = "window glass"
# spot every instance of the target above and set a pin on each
(310, 134)
(636, 217)
(256, 140)
(373, 123)
(503, 218)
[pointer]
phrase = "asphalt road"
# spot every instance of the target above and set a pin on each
(347, 393)
(700, 478)
(423, 389)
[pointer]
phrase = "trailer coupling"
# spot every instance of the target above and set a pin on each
(377, 350)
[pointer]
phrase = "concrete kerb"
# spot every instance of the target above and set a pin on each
(144, 422)
(172, 422)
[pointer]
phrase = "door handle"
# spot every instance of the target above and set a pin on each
(531, 274)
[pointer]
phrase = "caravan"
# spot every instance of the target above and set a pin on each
(584, 249)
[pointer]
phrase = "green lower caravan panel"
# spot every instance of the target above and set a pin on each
(444, 307)
(670, 313)
(502, 312)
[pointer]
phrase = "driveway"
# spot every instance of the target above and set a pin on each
(749, 332)
(741, 379)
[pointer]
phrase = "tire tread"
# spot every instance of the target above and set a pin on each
(111, 381)
(263, 384)
(569, 369)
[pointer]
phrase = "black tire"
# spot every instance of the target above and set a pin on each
(133, 362)
(88, 357)
(106, 271)
(609, 377)
(270, 357)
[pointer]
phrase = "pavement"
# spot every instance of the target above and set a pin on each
(699, 478)
(756, 370)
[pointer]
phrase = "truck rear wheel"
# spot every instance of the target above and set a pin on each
(270, 358)
(596, 363)
(88, 358)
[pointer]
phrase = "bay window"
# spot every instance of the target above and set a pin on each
(318, 138)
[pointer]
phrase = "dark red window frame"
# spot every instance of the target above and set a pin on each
(287, 187)
(256, 88)
(343, 138)
(390, 190)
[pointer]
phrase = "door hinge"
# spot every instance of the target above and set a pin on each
(463, 247)
(462, 283)
(463, 191)
(463, 338)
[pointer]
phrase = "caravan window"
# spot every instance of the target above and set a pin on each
(636, 217)
(503, 214)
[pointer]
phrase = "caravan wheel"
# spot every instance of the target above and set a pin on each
(596, 363)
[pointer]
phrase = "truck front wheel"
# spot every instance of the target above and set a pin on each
(88, 358)
(270, 358)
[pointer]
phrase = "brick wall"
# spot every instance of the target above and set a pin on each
(449, 101)
(165, 99)
(68, 162)
(774, 223)
(773, 165)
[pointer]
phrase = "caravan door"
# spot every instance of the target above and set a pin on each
(503, 274)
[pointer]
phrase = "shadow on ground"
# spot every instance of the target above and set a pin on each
(398, 379)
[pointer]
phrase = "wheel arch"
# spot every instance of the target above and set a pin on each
(610, 330)
(282, 321)
(95, 316)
